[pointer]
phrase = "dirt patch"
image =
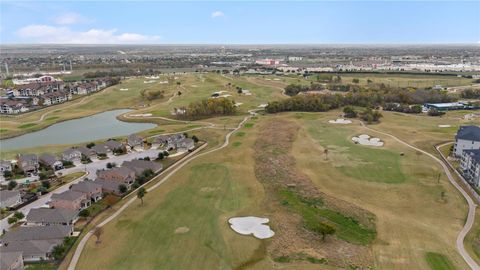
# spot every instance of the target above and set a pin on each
(182, 230)
(275, 168)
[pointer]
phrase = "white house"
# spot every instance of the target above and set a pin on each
(468, 137)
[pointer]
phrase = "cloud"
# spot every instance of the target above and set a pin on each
(217, 14)
(36, 33)
(71, 18)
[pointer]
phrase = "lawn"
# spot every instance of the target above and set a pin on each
(437, 261)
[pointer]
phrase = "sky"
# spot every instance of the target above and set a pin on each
(247, 22)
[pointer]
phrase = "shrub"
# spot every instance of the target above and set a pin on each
(122, 188)
(349, 112)
(84, 213)
(12, 184)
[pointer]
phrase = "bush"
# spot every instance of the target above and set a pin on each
(12, 184)
(370, 116)
(12, 220)
(46, 184)
(7, 174)
(195, 139)
(435, 112)
(84, 213)
(349, 112)
(18, 215)
(160, 156)
(67, 163)
(122, 188)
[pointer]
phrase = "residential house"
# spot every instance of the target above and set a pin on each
(120, 175)
(10, 106)
(160, 142)
(10, 198)
(89, 188)
(101, 149)
(139, 166)
(11, 260)
(36, 243)
(109, 186)
(51, 216)
(51, 161)
(470, 166)
(72, 155)
(5, 166)
(87, 152)
(185, 145)
(468, 137)
(28, 163)
(69, 199)
(115, 146)
(135, 141)
(86, 88)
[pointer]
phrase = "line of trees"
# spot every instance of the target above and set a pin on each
(210, 107)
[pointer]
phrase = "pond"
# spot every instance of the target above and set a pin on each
(95, 127)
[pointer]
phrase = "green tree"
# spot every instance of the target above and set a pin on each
(12, 184)
(7, 174)
(349, 112)
(18, 215)
(141, 193)
(58, 251)
(160, 156)
(12, 220)
(323, 229)
(84, 213)
(195, 139)
(122, 188)
(356, 81)
(46, 184)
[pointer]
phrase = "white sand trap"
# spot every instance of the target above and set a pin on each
(340, 121)
(276, 79)
(238, 104)
(268, 79)
(365, 139)
(123, 89)
(163, 82)
(251, 225)
(151, 81)
(141, 115)
(224, 96)
(262, 105)
(181, 230)
(443, 126)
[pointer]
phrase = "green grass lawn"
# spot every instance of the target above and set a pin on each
(437, 261)
(313, 211)
(358, 161)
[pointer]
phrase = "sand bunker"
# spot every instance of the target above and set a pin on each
(123, 89)
(163, 82)
(141, 115)
(238, 104)
(181, 230)
(340, 121)
(151, 81)
(263, 105)
(443, 126)
(366, 140)
(251, 225)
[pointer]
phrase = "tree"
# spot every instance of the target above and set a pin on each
(12, 220)
(166, 154)
(58, 251)
(356, 81)
(195, 139)
(349, 112)
(435, 112)
(12, 184)
(90, 145)
(122, 188)
(141, 193)
(84, 213)
(160, 156)
(325, 151)
(46, 184)
(7, 174)
(98, 232)
(323, 229)
(18, 215)
(111, 165)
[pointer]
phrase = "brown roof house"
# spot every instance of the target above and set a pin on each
(9, 198)
(135, 142)
(51, 161)
(69, 199)
(36, 243)
(51, 216)
(28, 163)
(73, 155)
(116, 176)
(89, 188)
(114, 145)
(139, 166)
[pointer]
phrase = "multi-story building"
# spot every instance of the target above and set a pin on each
(470, 166)
(468, 137)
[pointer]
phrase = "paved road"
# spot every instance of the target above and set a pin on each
(91, 170)
(175, 168)
(471, 205)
